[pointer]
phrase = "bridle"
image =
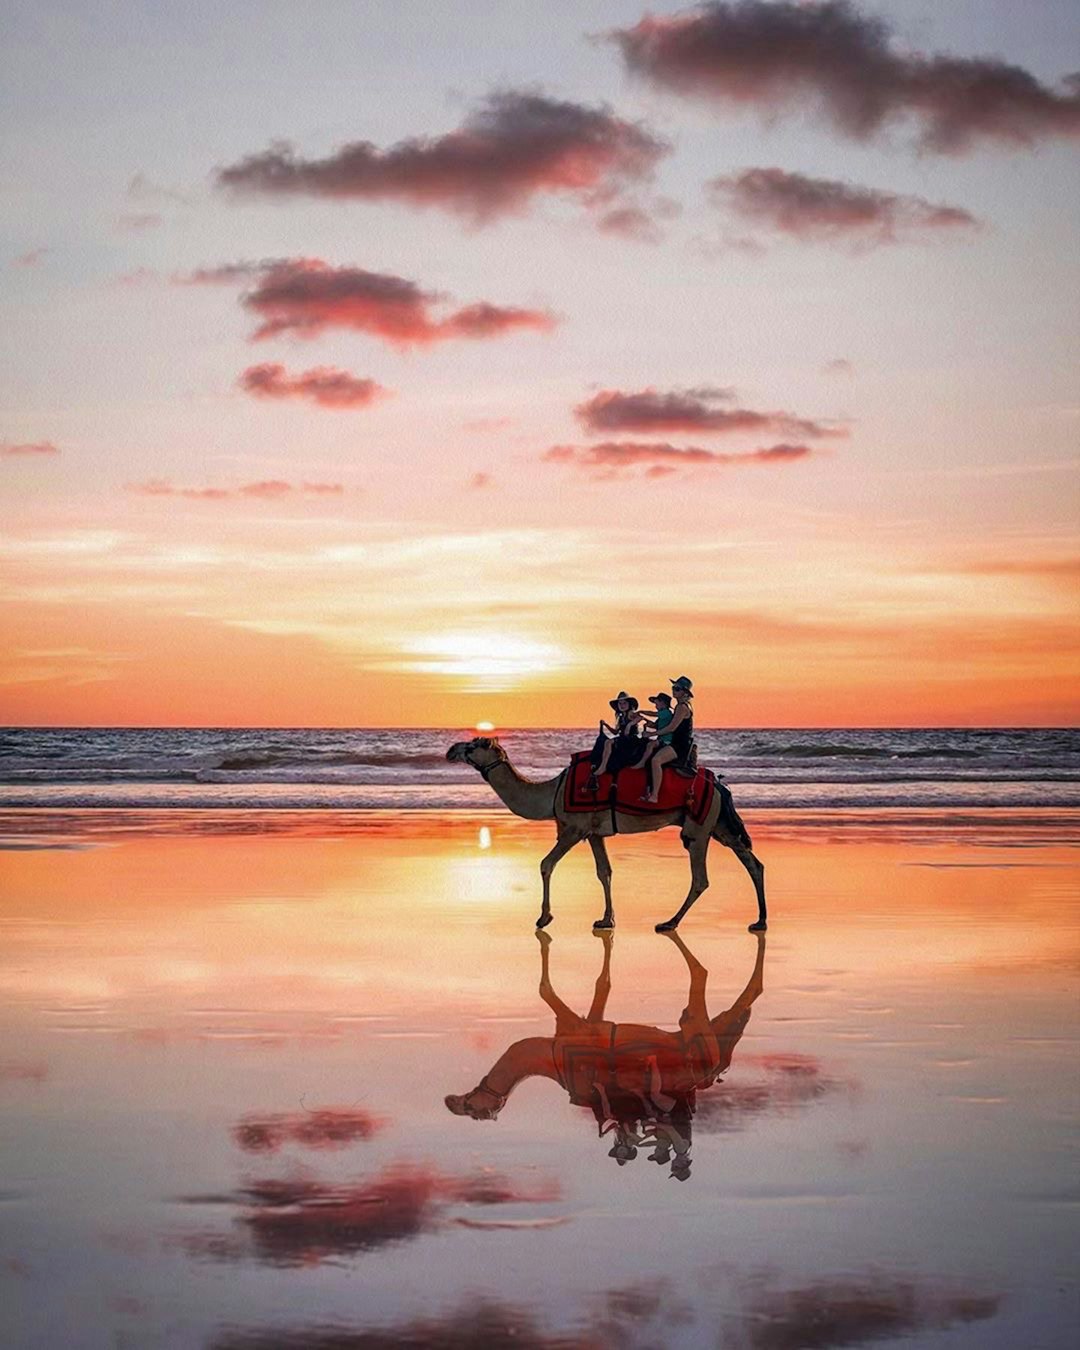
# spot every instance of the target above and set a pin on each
(486, 770)
(491, 1112)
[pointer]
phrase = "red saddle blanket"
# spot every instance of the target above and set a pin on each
(623, 791)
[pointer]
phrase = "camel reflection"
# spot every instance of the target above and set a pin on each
(640, 1082)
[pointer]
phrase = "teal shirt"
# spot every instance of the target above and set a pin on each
(663, 717)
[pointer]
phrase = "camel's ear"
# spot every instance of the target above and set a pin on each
(484, 742)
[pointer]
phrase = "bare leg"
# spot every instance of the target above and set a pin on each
(656, 770)
(603, 981)
(563, 844)
(566, 1019)
(603, 871)
(756, 868)
(698, 847)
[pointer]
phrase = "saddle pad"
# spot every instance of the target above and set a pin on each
(623, 791)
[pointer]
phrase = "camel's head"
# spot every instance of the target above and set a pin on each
(481, 753)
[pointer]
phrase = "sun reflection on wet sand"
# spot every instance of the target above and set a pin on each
(233, 1048)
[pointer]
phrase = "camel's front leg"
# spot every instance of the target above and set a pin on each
(756, 868)
(603, 871)
(566, 1020)
(697, 848)
(563, 844)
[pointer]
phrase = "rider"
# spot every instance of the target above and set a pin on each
(680, 750)
(615, 751)
(658, 728)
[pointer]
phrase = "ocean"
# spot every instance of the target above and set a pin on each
(384, 769)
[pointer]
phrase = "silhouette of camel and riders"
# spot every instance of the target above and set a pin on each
(640, 1082)
(710, 815)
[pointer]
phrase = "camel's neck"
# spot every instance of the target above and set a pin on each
(531, 801)
(524, 1059)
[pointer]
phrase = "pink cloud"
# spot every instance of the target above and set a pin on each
(267, 490)
(659, 459)
(324, 385)
(29, 448)
(307, 296)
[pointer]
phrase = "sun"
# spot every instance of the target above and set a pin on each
(484, 727)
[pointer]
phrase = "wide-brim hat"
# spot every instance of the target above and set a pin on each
(659, 698)
(622, 697)
(683, 682)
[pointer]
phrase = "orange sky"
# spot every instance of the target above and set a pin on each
(493, 443)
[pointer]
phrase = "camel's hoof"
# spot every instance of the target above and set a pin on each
(543, 920)
(603, 925)
(668, 927)
(758, 927)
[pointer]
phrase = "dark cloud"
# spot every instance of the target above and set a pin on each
(688, 410)
(29, 448)
(329, 1127)
(513, 147)
(658, 459)
(305, 296)
(324, 385)
(267, 489)
(780, 56)
(825, 209)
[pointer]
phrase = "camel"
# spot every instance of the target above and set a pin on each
(543, 801)
(639, 1081)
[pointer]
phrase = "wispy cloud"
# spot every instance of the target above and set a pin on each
(690, 410)
(271, 489)
(28, 449)
(830, 211)
(658, 458)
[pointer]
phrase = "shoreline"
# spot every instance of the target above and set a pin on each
(1000, 826)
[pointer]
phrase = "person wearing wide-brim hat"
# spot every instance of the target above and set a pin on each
(680, 729)
(619, 745)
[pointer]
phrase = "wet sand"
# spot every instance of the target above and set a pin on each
(225, 1044)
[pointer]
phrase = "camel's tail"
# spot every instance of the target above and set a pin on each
(730, 818)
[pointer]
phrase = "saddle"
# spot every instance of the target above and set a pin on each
(692, 793)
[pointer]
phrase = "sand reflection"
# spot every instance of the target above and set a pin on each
(640, 1082)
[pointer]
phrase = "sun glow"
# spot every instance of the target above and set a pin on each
(494, 659)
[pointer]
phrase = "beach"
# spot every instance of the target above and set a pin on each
(227, 1037)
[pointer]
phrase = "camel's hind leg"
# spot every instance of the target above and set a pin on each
(563, 844)
(697, 846)
(603, 871)
(756, 868)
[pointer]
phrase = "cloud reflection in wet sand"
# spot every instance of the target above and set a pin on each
(328, 1127)
(302, 1220)
(752, 1315)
